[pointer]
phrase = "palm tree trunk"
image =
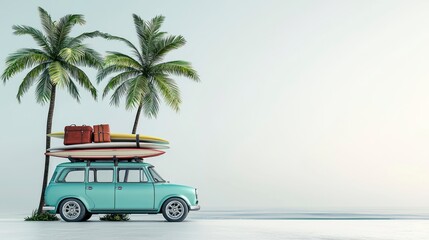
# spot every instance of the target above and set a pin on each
(136, 120)
(48, 145)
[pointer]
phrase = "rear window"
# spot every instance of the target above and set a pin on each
(54, 175)
(72, 175)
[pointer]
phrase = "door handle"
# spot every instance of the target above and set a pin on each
(120, 188)
(89, 188)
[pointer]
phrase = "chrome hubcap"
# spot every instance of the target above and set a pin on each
(71, 210)
(174, 209)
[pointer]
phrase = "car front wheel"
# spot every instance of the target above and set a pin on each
(175, 210)
(72, 210)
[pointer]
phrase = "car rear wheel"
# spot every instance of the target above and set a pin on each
(72, 210)
(175, 210)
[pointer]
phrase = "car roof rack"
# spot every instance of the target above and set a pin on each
(114, 160)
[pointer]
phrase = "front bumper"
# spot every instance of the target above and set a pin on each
(194, 208)
(48, 208)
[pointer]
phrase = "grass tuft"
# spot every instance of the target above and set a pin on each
(44, 216)
(115, 217)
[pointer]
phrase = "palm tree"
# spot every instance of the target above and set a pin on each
(54, 65)
(144, 77)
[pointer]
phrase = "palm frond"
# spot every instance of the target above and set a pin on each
(57, 74)
(102, 73)
(141, 27)
(29, 79)
(81, 78)
(72, 89)
(91, 58)
(78, 40)
(118, 79)
(165, 45)
(155, 23)
(179, 68)
(170, 91)
(137, 88)
(47, 23)
(37, 35)
(153, 33)
(72, 55)
(120, 59)
(150, 102)
(82, 55)
(148, 33)
(43, 88)
(22, 59)
(64, 26)
(128, 43)
(120, 91)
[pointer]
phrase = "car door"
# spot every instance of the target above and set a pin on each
(71, 182)
(100, 187)
(133, 190)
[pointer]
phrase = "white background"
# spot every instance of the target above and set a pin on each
(302, 104)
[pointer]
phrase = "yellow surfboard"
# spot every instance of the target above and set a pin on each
(121, 137)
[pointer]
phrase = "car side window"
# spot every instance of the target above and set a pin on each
(100, 175)
(131, 175)
(72, 175)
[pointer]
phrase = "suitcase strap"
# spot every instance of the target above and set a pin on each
(100, 129)
(138, 140)
(100, 132)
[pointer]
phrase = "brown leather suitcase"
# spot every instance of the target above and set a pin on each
(77, 134)
(101, 133)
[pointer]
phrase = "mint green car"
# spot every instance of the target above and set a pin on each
(79, 189)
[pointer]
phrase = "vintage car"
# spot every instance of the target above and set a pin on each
(79, 189)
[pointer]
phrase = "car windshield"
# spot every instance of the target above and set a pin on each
(156, 177)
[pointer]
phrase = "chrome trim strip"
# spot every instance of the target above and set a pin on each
(194, 208)
(48, 208)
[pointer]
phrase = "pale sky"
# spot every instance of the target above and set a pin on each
(310, 105)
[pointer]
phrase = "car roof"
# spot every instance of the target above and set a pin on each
(106, 163)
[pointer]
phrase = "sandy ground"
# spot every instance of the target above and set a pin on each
(154, 227)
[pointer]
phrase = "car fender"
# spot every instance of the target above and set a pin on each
(163, 200)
